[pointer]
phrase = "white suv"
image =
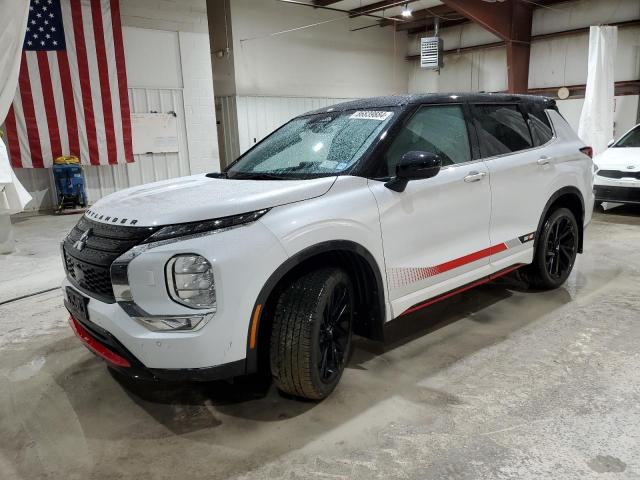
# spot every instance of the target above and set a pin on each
(340, 221)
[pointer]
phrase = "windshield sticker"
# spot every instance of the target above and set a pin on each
(371, 115)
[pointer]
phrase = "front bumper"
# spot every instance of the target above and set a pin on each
(243, 258)
(106, 346)
(616, 191)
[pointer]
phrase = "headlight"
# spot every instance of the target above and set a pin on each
(206, 226)
(190, 281)
(595, 167)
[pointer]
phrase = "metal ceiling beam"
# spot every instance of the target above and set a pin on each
(511, 21)
(376, 7)
(422, 18)
(324, 3)
(334, 9)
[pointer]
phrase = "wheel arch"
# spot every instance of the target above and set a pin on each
(567, 197)
(361, 266)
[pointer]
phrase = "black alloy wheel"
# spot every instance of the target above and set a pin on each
(556, 251)
(562, 246)
(335, 333)
(311, 333)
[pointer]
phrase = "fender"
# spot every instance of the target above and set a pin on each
(252, 358)
(563, 191)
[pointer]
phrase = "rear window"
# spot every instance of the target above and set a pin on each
(540, 126)
(631, 139)
(501, 129)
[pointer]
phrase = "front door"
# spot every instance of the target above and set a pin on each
(435, 233)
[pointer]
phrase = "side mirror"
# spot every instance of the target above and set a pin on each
(414, 166)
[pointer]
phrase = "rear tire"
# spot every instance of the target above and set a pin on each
(311, 334)
(556, 251)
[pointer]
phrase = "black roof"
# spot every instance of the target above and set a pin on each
(453, 97)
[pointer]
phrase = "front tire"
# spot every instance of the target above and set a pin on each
(556, 251)
(311, 335)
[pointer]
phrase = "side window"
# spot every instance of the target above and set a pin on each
(501, 129)
(540, 126)
(439, 129)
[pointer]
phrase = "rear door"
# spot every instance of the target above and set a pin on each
(436, 232)
(512, 144)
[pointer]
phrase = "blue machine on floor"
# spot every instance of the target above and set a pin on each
(69, 185)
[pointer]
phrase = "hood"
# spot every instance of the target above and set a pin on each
(619, 159)
(198, 197)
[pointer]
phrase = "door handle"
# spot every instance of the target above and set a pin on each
(544, 160)
(474, 177)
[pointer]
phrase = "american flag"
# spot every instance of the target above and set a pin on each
(72, 92)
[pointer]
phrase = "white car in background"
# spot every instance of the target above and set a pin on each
(618, 170)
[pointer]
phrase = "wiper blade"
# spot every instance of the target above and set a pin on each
(256, 176)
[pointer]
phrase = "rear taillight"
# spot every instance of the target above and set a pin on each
(587, 151)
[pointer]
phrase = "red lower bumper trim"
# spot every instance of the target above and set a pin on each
(95, 346)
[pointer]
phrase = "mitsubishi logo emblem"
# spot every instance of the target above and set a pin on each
(80, 244)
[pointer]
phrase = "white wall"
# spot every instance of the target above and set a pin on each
(168, 69)
(625, 116)
(327, 60)
(280, 76)
(554, 62)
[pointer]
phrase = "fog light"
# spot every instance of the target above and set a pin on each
(190, 281)
(175, 323)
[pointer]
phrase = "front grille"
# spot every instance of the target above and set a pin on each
(618, 174)
(617, 194)
(89, 267)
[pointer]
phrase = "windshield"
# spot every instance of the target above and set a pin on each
(314, 146)
(631, 139)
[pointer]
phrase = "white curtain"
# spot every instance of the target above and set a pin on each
(13, 24)
(596, 120)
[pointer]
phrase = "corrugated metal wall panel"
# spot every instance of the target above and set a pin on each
(257, 116)
(103, 180)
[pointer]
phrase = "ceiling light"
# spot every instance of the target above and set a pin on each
(406, 11)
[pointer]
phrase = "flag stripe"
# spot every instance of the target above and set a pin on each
(94, 81)
(30, 114)
(76, 89)
(122, 79)
(38, 106)
(69, 104)
(58, 101)
(113, 81)
(85, 82)
(12, 138)
(49, 104)
(25, 152)
(101, 53)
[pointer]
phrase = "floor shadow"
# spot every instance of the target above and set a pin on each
(620, 214)
(248, 413)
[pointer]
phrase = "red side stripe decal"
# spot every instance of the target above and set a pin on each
(472, 257)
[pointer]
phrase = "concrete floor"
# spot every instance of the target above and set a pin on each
(497, 383)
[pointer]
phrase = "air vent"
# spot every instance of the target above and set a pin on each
(431, 53)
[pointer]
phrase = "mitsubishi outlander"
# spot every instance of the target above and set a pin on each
(338, 222)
